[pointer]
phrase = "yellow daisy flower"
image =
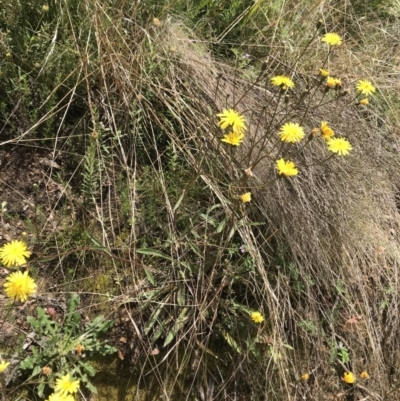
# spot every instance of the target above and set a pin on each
(332, 39)
(66, 385)
(19, 286)
(291, 132)
(234, 138)
(340, 146)
(257, 317)
(326, 131)
(364, 102)
(286, 168)
(14, 253)
(3, 366)
(246, 197)
(60, 397)
(323, 73)
(365, 87)
(283, 81)
(231, 118)
(333, 83)
(348, 378)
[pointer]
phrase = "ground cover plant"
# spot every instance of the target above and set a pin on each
(199, 201)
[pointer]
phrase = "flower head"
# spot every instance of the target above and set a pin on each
(19, 286)
(60, 397)
(305, 377)
(340, 146)
(3, 366)
(231, 118)
(283, 81)
(14, 253)
(79, 349)
(257, 317)
(246, 197)
(348, 378)
(364, 375)
(46, 371)
(364, 102)
(332, 39)
(286, 168)
(326, 131)
(45, 8)
(323, 73)
(365, 87)
(234, 138)
(66, 385)
(291, 132)
(332, 83)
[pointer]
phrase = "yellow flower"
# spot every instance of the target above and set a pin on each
(365, 87)
(19, 286)
(324, 73)
(286, 168)
(332, 39)
(3, 366)
(79, 349)
(14, 253)
(283, 81)
(156, 22)
(340, 146)
(246, 197)
(60, 397)
(234, 138)
(349, 378)
(66, 385)
(364, 375)
(8, 54)
(291, 132)
(305, 377)
(364, 102)
(45, 8)
(326, 131)
(257, 317)
(231, 118)
(333, 82)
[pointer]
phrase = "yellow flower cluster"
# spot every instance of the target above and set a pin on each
(18, 285)
(231, 120)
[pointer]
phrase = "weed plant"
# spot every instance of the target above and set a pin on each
(240, 212)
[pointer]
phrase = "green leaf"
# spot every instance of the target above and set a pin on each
(231, 341)
(179, 201)
(177, 326)
(153, 252)
(150, 276)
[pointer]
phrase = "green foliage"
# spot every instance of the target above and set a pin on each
(54, 345)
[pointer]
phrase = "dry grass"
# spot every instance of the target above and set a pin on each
(325, 259)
